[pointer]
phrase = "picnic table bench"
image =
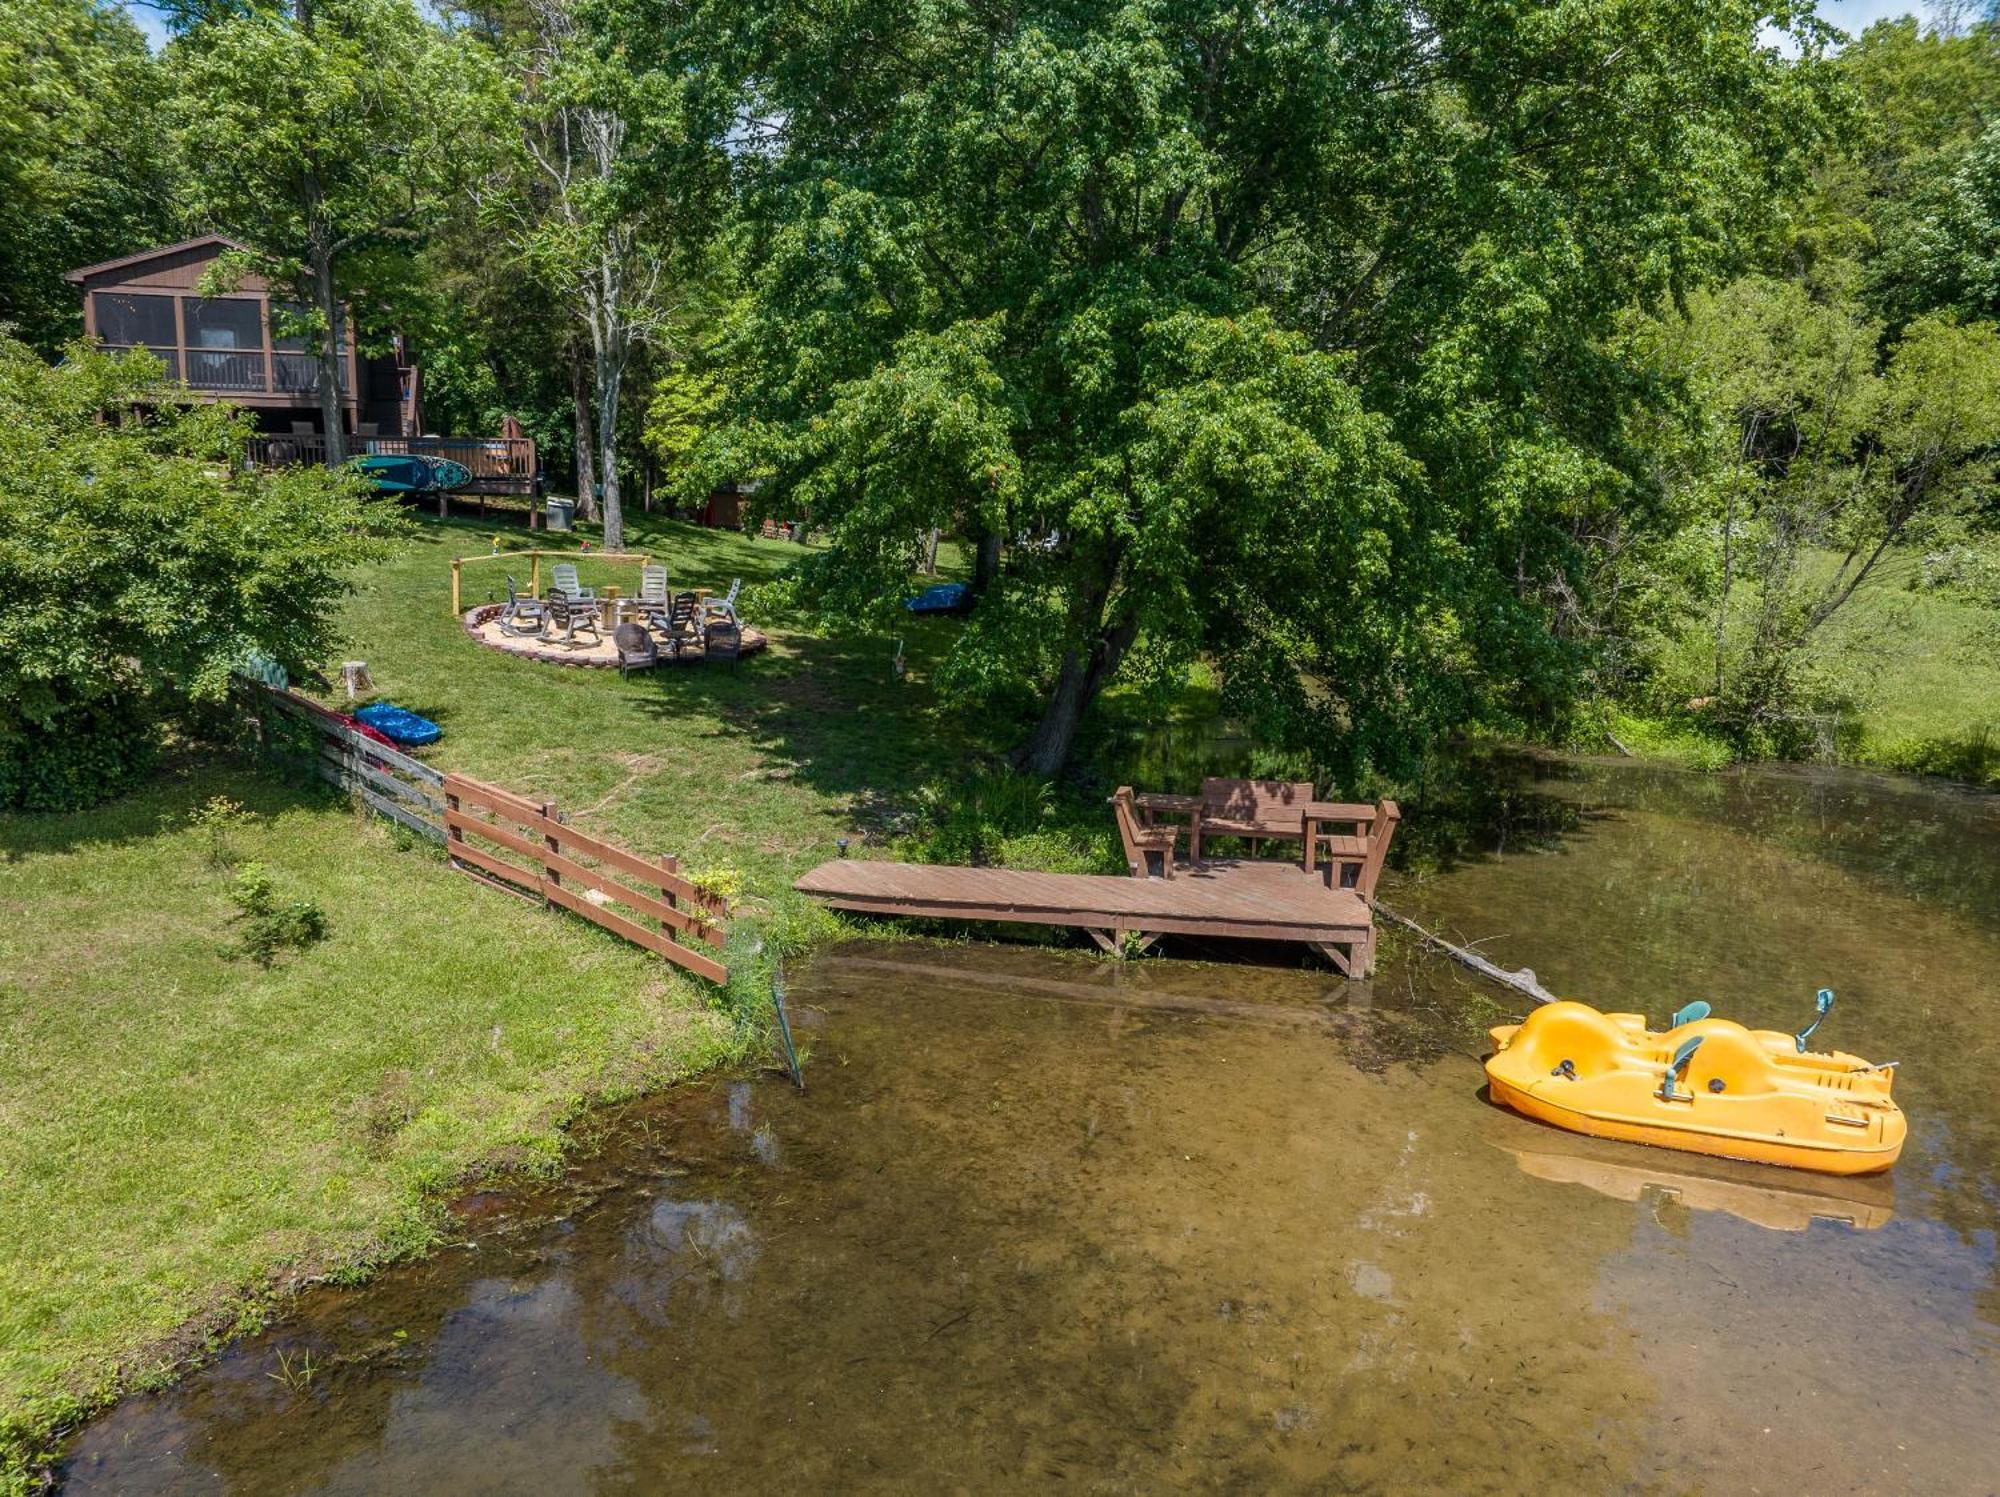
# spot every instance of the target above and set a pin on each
(1353, 837)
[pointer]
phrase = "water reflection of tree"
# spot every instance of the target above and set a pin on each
(1474, 805)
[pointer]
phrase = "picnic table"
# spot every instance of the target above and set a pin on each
(1349, 837)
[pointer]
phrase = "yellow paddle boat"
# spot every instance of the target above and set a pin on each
(1705, 1085)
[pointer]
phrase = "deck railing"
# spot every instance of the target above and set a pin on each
(241, 371)
(499, 465)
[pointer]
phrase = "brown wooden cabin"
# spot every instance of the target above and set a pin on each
(226, 347)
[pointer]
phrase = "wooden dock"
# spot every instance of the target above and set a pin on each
(1248, 899)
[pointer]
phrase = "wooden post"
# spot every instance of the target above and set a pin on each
(553, 843)
(534, 574)
(672, 865)
(456, 610)
(452, 834)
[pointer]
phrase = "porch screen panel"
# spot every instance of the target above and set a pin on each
(296, 367)
(131, 320)
(225, 342)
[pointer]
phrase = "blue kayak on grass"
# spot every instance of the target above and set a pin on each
(400, 724)
(946, 597)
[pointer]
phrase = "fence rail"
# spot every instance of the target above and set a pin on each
(583, 874)
(530, 849)
(391, 782)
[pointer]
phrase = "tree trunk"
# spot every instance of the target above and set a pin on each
(610, 374)
(329, 356)
(986, 561)
(1078, 684)
(586, 458)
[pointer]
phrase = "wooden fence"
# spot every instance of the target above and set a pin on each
(391, 782)
(530, 849)
(534, 560)
(583, 874)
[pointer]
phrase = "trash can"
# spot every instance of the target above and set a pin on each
(561, 512)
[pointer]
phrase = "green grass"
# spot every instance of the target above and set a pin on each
(755, 770)
(182, 1128)
(1923, 671)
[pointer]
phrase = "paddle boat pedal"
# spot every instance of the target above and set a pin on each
(1705, 1085)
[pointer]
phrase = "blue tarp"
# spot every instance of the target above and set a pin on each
(946, 597)
(399, 724)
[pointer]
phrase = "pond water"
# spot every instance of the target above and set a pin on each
(1043, 1218)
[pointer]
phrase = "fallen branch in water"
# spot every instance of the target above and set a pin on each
(1523, 981)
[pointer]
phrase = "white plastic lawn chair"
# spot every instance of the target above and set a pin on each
(724, 607)
(563, 580)
(653, 586)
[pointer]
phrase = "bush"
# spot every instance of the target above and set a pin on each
(142, 565)
(1013, 821)
(98, 751)
(272, 926)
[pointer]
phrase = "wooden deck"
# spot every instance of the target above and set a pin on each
(1253, 900)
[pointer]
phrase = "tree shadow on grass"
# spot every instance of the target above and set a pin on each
(831, 713)
(182, 785)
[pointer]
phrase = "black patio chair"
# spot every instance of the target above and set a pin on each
(678, 624)
(722, 639)
(571, 617)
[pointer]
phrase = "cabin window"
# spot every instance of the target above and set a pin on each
(223, 323)
(125, 320)
(225, 342)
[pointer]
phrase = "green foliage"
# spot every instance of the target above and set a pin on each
(89, 753)
(1276, 336)
(1013, 821)
(326, 137)
(217, 817)
(1808, 430)
(138, 568)
(85, 173)
(1952, 259)
(271, 925)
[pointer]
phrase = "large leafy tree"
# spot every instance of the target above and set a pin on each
(624, 166)
(1275, 332)
(320, 132)
(84, 169)
(139, 566)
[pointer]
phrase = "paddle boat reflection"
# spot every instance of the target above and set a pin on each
(1781, 1200)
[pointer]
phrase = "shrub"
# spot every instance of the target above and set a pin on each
(272, 926)
(96, 751)
(140, 564)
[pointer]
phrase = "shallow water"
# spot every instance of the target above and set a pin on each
(1044, 1218)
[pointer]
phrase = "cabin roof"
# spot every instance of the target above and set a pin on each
(84, 272)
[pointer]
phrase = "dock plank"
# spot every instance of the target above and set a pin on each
(1246, 898)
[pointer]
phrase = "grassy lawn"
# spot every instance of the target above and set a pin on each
(1924, 673)
(182, 1128)
(754, 770)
